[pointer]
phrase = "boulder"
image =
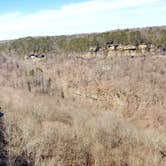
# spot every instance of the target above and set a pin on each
(127, 47)
(94, 49)
(109, 44)
(142, 47)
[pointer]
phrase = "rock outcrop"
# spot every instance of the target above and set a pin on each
(111, 49)
(35, 57)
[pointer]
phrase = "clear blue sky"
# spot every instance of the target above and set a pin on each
(32, 5)
(20, 18)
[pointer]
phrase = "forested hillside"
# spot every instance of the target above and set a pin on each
(81, 43)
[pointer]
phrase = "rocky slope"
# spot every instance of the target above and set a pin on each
(69, 110)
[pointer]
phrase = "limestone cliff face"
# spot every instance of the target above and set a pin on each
(119, 50)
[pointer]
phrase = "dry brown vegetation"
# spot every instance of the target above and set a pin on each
(76, 112)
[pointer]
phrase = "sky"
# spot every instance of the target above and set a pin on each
(21, 18)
